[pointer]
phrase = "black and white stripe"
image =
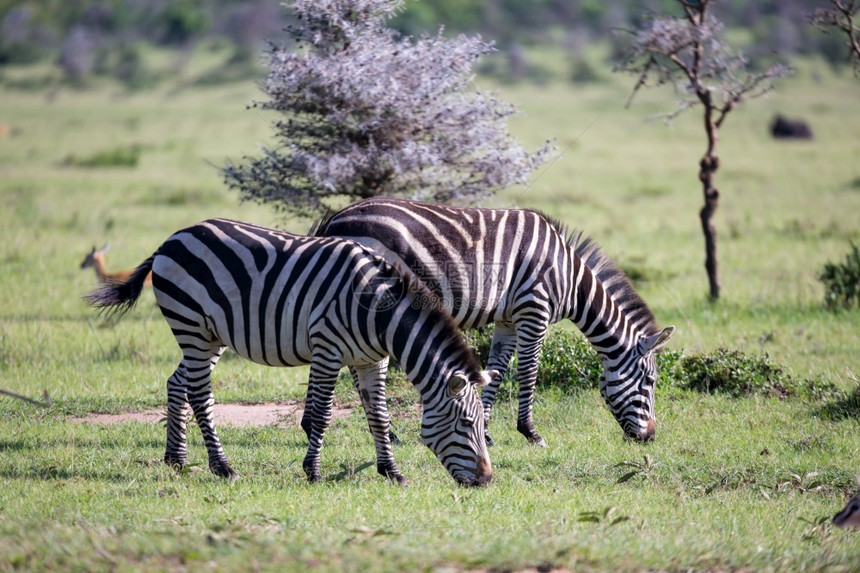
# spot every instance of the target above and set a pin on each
(522, 271)
(284, 300)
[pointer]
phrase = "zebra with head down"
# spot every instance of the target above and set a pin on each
(283, 300)
(522, 271)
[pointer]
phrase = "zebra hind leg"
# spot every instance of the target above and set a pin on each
(176, 453)
(321, 384)
(198, 368)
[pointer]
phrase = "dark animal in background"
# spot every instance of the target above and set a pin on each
(784, 128)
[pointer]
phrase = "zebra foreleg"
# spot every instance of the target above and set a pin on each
(501, 350)
(528, 353)
(371, 387)
(320, 398)
(392, 437)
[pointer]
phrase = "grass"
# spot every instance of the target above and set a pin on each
(729, 483)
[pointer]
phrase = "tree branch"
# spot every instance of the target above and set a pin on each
(841, 17)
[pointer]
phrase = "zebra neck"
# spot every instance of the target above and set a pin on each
(426, 346)
(600, 318)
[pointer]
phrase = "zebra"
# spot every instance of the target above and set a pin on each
(279, 299)
(522, 271)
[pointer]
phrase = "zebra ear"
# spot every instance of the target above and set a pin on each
(457, 383)
(656, 342)
(488, 376)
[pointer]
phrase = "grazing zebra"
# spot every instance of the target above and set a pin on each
(283, 300)
(521, 271)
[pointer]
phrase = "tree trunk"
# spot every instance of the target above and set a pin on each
(707, 166)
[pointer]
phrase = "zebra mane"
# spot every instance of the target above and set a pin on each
(612, 278)
(423, 298)
(321, 223)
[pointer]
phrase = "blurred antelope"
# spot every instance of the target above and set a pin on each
(850, 516)
(96, 260)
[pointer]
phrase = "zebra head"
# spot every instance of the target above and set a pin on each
(628, 381)
(453, 428)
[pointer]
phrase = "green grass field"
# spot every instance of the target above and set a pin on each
(728, 484)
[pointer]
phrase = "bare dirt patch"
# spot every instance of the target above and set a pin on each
(283, 414)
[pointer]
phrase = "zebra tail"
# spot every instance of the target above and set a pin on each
(116, 298)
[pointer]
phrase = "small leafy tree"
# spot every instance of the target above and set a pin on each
(841, 17)
(367, 113)
(688, 51)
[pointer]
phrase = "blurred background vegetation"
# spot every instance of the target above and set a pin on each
(83, 40)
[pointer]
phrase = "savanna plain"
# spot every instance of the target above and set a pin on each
(730, 483)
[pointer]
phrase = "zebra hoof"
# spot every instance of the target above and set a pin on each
(392, 473)
(177, 464)
(312, 470)
(538, 442)
(528, 430)
(223, 470)
(490, 441)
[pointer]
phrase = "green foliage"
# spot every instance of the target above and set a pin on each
(131, 68)
(120, 156)
(842, 281)
(568, 363)
(735, 373)
(739, 374)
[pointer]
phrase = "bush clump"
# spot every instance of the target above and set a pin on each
(733, 372)
(842, 281)
(569, 363)
(738, 374)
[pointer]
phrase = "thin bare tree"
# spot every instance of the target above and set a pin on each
(842, 17)
(689, 53)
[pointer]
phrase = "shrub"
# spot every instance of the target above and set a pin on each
(568, 363)
(733, 372)
(842, 281)
(738, 374)
(365, 112)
